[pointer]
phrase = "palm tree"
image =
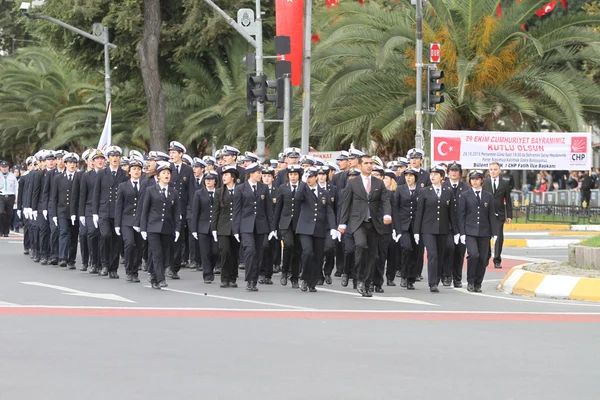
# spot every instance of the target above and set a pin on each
(498, 76)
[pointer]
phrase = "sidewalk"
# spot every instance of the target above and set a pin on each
(550, 227)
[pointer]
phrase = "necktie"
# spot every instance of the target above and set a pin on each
(254, 189)
(478, 197)
(230, 192)
(495, 187)
(454, 185)
(198, 180)
(293, 190)
(164, 192)
(315, 192)
(412, 191)
(114, 173)
(135, 188)
(211, 195)
(369, 185)
(70, 178)
(437, 191)
(178, 169)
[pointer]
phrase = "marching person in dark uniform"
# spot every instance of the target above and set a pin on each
(86, 213)
(24, 205)
(435, 220)
(54, 230)
(316, 220)
(103, 207)
(201, 227)
(286, 219)
(199, 166)
(160, 223)
(221, 223)
(349, 267)
(365, 209)
(476, 225)
(33, 198)
(43, 197)
(129, 204)
(292, 156)
(182, 179)
(383, 244)
(75, 221)
(330, 242)
(229, 158)
(503, 206)
(269, 246)
(252, 219)
(454, 257)
(415, 157)
(60, 210)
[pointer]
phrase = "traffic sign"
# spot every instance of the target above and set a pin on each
(435, 54)
(245, 19)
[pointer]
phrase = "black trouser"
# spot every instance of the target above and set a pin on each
(44, 237)
(329, 257)
(26, 234)
(177, 248)
(209, 254)
(93, 242)
(378, 270)
(312, 251)
(54, 238)
(186, 243)
(251, 246)
(410, 251)
(67, 240)
(392, 260)
(34, 238)
(365, 238)
(349, 256)
(478, 250)
(435, 245)
(340, 255)
(193, 247)
(83, 243)
(110, 244)
(6, 213)
(160, 243)
(292, 250)
(266, 264)
(132, 249)
(454, 259)
(229, 250)
(276, 252)
(499, 242)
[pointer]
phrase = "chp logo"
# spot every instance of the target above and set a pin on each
(579, 148)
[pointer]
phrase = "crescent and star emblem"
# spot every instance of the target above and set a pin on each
(441, 147)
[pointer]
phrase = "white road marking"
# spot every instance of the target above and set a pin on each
(405, 300)
(517, 298)
(233, 299)
(527, 259)
(74, 292)
(5, 303)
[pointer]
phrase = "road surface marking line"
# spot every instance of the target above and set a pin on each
(75, 292)
(6, 303)
(526, 259)
(405, 300)
(233, 298)
(527, 300)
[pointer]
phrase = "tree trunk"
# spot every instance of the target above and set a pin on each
(155, 96)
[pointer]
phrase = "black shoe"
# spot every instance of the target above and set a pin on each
(122, 261)
(261, 280)
(295, 284)
(344, 280)
(312, 289)
(113, 275)
(403, 282)
(169, 273)
(328, 280)
(174, 275)
(457, 284)
(338, 274)
(163, 284)
(92, 270)
(497, 265)
(44, 261)
(378, 289)
(361, 288)
(391, 282)
(284, 279)
(248, 286)
(62, 263)
(135, 278)
(354, 284)
(194, 266)
(208, 281)
(26, 252)
(419, 278)
(36, 259)
(477, 288)
(470, 287)
(398, 274)
(104, 271)
(304, 286)
(446, 281)
(233, 285)
(155, 285)
(217, 271)
(321, 281)
(224, 284)
(71, 266)
(368, 293)
(128, 278)
(84, 268)
(434, 289)
(410, 286)
(54, 261)
(268, 281)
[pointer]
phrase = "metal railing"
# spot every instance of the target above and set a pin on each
(561, 206)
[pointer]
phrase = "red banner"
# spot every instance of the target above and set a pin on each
(290, 22)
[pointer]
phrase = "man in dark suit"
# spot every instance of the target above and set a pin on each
(292, 156)
(86, 213)
(476, 224)
(229, 157)
(103, 208)
(199, 167)
(75, 221)
(415, 157)
(252, 219)
(435, 220)
(43, 197)
(365, 209)
(503, 206)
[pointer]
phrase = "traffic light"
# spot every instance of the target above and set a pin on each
(277, 97)
(256, 91)
(434, 89)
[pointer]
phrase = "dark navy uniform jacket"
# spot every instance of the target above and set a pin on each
(316, 212)
(222, 217)
(62, 196)
(286, 211)
(161, 214)
(252, 213)
(105, 192)
(129, 204)
(86, 193)
(405, 208)
(476, 218)
(435, 215)
(202, 212)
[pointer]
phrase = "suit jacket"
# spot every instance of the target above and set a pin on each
(129, 204)
(161, 214)
(36, 189)
(22, 193)
(340, 180)
(460, 189)
(241, 171)
(476, 218)
(334, 197)
(86, 193)
(252, 213)
(316, 212)
(184, 183)
(435, 215)
(202, 212)
(105, 192)
(357, 204)
(76, 192)
(405, 208)
(286, 211)
(62, 196)
(47, 189)
(222, 217)
(502, 199)
(422, 181)
(281, 178)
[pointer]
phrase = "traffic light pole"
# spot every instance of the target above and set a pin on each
(287, 108)
(306, 76)
(419, 138)
(260, 107)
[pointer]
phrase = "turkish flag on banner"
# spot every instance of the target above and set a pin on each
(289, 15)
(446, 149)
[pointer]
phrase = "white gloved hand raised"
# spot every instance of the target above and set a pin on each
(417, 237)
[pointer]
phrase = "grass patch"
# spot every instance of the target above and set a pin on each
(591, 242)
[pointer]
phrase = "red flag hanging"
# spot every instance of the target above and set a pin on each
(499, 10)
(290, 22)
(547, 9)
(564, 3)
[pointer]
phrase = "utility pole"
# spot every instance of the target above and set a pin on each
(107, 86)
(260, 107)
(287, 98)
(306, 76)
(419, 138)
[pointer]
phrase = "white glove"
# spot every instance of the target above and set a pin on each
(19, 213)
(416, 236)
(456, 237)
(195, 235)
(82, 220)
(395, 237)
(272, 235)
(118, 231)
(144, 235)
(334, 234)
(463, 239)
(137, 229)
(34, 213)
(45, 212)
(96, 218)
(73, 219)
(215, 236)
(55, 220)
(176, 236)
(237, 237)
(495, 238)
(26, 213)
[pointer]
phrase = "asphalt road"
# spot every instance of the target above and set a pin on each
(72, 335)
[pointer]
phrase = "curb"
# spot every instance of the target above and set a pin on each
(550, 227)
(533, 284)
(539, 242)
